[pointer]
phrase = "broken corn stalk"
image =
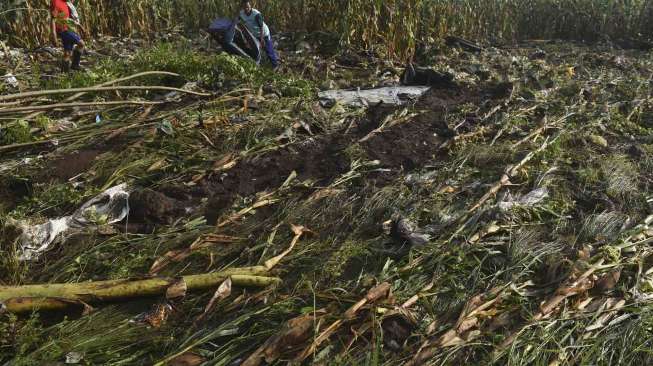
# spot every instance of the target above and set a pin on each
(20, 299)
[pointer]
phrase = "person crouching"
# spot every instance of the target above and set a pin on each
(63, 16)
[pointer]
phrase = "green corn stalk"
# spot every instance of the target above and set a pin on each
(396, 25)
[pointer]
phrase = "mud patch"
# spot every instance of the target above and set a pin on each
(438, 99)
(148, 206)
(409, 145)
(316, 159)
(406, 146)
(12, 191)
(412, 144)
(71, 165)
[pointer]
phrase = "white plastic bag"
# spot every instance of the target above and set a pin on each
(109, 207)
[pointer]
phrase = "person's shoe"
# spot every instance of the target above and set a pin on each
(65, 66)
(77, 59)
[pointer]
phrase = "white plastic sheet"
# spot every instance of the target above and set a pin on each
(10, 80)
(109, 207)
(528, 200)
(393, 95)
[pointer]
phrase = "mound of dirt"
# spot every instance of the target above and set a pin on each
(410, 144)
(317, 159)
(149, 206)
(437, 99)
(405, 146)
(71, 165)
(12, 191)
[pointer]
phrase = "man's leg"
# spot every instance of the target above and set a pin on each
(73, 44)
(67, 51)
(272, 54)
(77, 53)
(65, 61)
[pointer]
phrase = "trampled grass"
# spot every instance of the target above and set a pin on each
(563, 280)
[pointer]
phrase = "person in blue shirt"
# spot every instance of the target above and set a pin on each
(253, 20)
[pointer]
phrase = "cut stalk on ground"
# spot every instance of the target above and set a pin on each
(21, 299)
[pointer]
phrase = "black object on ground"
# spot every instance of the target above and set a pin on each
(416, 75)
(453, 41)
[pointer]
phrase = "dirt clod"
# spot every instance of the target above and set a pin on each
(149, 206)
(71, 165)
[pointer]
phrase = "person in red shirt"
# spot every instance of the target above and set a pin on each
(62, 27)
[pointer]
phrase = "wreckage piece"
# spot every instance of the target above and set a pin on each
(530, 199)
(108, 207)
(416, 75)
(453, 41)
(22, 299)
(235, 39)
(391, 95)
(407, 232)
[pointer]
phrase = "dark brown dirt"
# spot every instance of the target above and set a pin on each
(70, 165)
(396, 330)
(406, 146)
(318, 159)
(411, 144)
(12, 191)
(148, 206)
(438, 99)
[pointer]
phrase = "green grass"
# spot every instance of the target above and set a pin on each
(15, 133)
(535, 251)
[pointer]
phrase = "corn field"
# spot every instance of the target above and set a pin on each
(171, 204)
(395, 24)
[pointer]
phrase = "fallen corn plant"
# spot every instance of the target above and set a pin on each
(50, 107)
(97, 89)
(29, 298)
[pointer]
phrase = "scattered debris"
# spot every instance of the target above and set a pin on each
(538, 54)
(11, 80)
(294, 333)
(177, 290)
(74, 358)
(405, 231)
(530, 199)
(109, 207)
(221, 293)
(156, 316)
(453, 41)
